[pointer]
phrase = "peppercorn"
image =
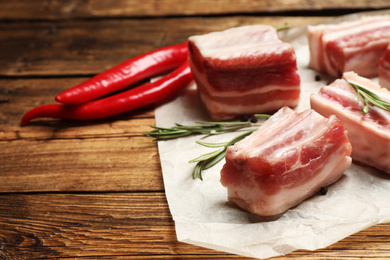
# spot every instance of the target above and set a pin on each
(323, 190)
(245, 118)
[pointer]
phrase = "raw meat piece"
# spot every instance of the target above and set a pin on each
(384, 69)
(369, 133)
(349, 46)
(244, 70)
(288, 159)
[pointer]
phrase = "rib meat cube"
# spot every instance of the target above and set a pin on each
(244, 70)
(288, 159)
(349, 46)
(369, 133)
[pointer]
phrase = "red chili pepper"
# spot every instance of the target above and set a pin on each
(125, 74)
(147, 94)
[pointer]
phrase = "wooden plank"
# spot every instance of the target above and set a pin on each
(129, 226)
(89, 47)
(25, 9)
(52, 155)
(75, 47)
(95, 164)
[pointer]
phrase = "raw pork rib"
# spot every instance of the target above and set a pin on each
(244, 70)
(349, 46)
(384, 69)
(369, 133)
(288, 159)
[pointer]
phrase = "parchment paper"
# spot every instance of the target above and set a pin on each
(203, 217)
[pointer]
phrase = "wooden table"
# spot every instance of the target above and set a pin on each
(94, 190)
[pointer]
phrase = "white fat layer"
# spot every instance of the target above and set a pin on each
(346, 24)
(309, 124)
(252, 91)
(215, 107)
(237, 51)
(254, 200)
(364, 27)
(245, 37)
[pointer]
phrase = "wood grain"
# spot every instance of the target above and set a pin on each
(52, 9)
(92, 164)
(21, 95)
(93, 190)
(129, 226)
(85, 48)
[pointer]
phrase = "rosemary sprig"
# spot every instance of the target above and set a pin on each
(202, 127)
(281, 28)
(368, 97)
(208, 160)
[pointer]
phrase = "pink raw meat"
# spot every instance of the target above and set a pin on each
(288, 159)
(349, 46)
(369, 133)
(384, 69)
(244, 70)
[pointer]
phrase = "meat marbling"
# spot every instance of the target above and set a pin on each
(244, 70)
(349, 46)
(288, 159)
(369, 133)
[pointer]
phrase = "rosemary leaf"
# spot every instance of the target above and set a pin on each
(365, 108)
(368, 97)
(198, 127)
(240, 137)
(161, 135)
(207, 156)
(215, 160)
(198, 171)
(286, 26)
(211, 145)
(224, 123)
(206, 164)
(226, 130)
(266, 116)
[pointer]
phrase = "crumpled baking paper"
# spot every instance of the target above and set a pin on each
(200, 210)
